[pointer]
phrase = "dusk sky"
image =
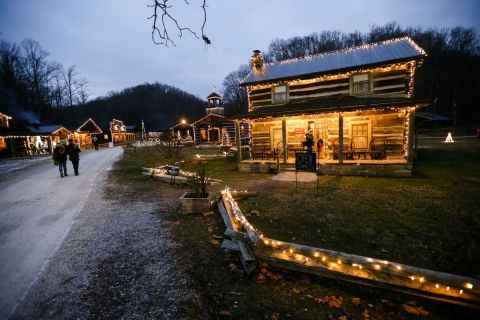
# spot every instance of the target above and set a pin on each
(110, 40)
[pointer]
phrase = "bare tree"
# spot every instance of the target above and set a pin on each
(234, 96)
(57, 89)
(75, 89)
(37, 72)
(10, 64)
(82, 91)
(161, 17)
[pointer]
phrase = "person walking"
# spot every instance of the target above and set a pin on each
(60, 157)
(74, 154)
(95, 142)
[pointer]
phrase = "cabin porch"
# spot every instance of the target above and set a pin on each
(374, 168)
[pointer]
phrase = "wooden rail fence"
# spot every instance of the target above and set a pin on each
(252, 245)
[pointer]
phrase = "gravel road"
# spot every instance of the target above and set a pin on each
(115, 262)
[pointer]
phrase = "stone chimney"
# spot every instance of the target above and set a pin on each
(256, 60)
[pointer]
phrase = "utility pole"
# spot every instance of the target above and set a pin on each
(454, 115)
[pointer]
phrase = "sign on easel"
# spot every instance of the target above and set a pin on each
(306, 161)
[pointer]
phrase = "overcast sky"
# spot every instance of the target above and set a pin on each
(110, 40)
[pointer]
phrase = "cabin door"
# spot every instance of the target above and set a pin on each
(214, 135)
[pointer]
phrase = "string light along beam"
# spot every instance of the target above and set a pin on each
(438, 283)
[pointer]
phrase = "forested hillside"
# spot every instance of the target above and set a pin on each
(34, 89)
(158, 105)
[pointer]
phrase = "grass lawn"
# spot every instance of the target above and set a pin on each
(429, 220)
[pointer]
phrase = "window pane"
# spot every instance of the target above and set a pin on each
(280, 89)
(280, 97)
(361, 87)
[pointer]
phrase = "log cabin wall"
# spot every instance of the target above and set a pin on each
(387, 81)
(390, 124)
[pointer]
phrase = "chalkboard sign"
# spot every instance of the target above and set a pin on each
(173, 170)
(306, 161)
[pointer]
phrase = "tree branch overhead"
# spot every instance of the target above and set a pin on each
(161, 17)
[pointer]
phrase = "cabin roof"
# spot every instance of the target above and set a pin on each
(47, 129)
(214, 95)
(89, 126)
(332, 105)
(390, 51)
(211, 117)
(182, 126)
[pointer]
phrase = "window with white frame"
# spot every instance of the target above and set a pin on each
(360, 83)
(279, 94)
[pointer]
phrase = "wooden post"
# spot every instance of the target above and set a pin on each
(340, 137)
(239, 142)
(284, 140)
(50, 144)
(410, 142)
(194, 138)
(12, 147)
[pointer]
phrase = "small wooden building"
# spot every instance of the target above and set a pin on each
(182, 131)
(119, 133)
(84, 133)
(21, 141)
(215, 128)
(352, 106)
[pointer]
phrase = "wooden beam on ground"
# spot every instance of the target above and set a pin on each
(426, 283)
(385, 274)
(230, 245)
(224, 214)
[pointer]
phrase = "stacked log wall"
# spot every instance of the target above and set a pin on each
(391, 83)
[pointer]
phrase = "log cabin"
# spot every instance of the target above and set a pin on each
(216, 129)
(84, 133)
(182, 131)
(29, 140)
(354, 108)
(119, 133)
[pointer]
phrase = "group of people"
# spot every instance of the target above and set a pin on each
(60, 157)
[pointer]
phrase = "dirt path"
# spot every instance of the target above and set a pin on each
(117, 262)
(37, 210)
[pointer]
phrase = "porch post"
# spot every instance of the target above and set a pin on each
(284, 140)
(193, 132)
(239, 142)
(340, 137)
(411, 124)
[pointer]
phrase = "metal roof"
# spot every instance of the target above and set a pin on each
(214, 95)
(44, 128)
(366, 55)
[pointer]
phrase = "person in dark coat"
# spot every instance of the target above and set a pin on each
(60, 156)
(74, 154)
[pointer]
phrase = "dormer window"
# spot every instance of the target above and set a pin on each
(360, 84)
(279, 94)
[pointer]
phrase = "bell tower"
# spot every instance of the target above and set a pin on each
(215, 103)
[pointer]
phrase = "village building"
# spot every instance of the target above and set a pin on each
(84, 134)
(353, 108)
(119, 133)
(216, 129)
(21, 141)
(182, 131)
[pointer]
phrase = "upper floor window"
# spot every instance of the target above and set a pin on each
(279, 94)
(360, 83)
